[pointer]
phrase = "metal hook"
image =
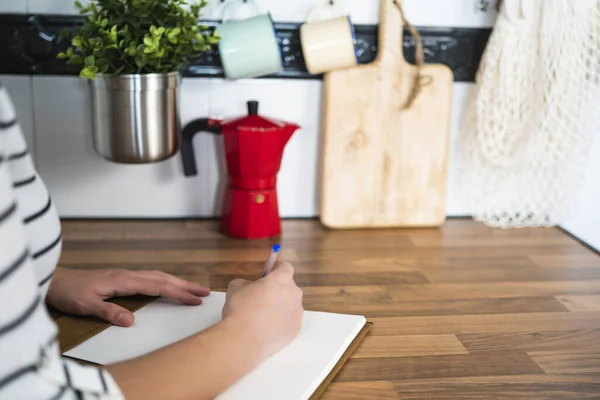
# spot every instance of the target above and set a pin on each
(484, 5)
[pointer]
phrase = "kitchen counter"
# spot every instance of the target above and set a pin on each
(464, 311)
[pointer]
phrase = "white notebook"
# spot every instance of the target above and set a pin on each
(293, 373)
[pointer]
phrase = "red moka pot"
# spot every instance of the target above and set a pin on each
(253, 150)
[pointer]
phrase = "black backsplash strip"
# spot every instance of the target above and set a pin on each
(28, 45)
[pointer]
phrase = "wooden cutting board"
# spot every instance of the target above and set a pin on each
(385, 165)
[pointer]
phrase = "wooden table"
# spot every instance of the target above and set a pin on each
(461, 312)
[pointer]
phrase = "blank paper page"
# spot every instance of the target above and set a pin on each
(293, 373)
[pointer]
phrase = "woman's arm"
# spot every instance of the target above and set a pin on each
(259, 319)
(30, 363)
(199, 367)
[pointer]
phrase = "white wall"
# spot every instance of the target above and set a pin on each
(20, 91)
(462, 13)
(83, 185)
(13, 6)
(584, 223)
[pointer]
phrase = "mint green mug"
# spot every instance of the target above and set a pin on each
(248, 47)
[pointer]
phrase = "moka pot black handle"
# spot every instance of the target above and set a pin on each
(187, 136)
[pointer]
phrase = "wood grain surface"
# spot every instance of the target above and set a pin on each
(385, 165)
(460, 312)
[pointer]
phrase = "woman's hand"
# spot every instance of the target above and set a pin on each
(83, 292)
(270, 307)
(259, 319)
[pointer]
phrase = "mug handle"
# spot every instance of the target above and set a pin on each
(229, 6)
(327, 3)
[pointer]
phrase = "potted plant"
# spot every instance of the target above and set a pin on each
(132, 52)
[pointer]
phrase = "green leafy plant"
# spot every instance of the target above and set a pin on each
(136, 37)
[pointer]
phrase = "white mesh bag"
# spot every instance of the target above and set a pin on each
(523, 143)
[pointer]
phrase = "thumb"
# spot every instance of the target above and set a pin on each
(283, 270)
(236, 285)
(112, 313)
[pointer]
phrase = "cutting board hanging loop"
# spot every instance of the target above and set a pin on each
(420, 80)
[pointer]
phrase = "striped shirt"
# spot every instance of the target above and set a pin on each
(31, 365)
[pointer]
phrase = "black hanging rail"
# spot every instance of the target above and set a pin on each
(29, 45)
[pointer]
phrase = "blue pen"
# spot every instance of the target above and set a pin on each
(271, 260)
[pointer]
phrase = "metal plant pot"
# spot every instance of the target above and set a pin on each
(136, 117)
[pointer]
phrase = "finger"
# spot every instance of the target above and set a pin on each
(152, 283)
(284, 270)
(181, 295)
(299, 294)
(195, 288)
(170, 291)
(192, 287)
(155, 287)
(111, 313)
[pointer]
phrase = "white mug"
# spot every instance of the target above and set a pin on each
(248, 47)
(328, 44)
